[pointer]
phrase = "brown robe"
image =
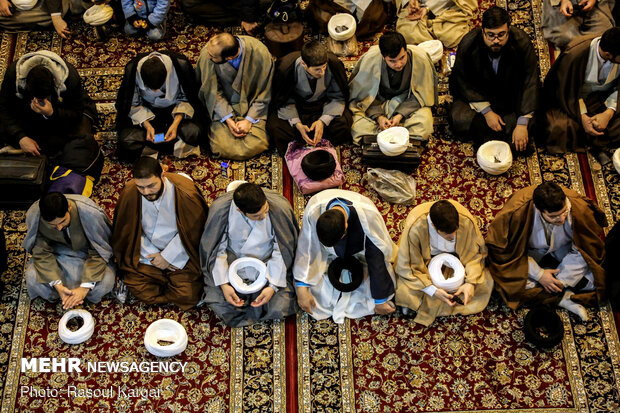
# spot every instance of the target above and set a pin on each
(560, 102)
(507, 244)
(146, 282)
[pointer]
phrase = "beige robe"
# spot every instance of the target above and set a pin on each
(414, 255)
(449, 27)
(252, 85)
(364, 87)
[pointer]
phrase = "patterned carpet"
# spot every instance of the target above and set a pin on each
(375, 364)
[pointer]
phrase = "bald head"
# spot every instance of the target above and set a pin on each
(222, 47)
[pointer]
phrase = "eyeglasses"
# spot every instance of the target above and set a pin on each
(493, 36)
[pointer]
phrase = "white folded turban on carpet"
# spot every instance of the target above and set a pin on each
(169, 331)
(80, 335)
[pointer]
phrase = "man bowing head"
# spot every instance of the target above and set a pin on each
(257, 223)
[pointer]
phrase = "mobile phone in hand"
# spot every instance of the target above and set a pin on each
(159, 137)
(457, 299)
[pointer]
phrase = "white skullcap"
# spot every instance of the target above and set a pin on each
(393, 141)
(24, 5)
(494, 157)
(165, 330)
(234, 185)
(434, 269)
(434, 48)
(237, 282)
(341, 26)
(83, 333)
(98, 14)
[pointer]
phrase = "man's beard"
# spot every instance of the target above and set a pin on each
(156, 196)
(494, 54)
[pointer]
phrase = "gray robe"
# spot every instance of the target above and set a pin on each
(72, 263)
(244, 92)
(283, 303)
(561, 30)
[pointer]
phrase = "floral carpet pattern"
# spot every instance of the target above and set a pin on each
(479, 362)
(234, 370)
(374, 364)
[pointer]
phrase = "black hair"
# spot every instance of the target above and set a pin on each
(249, 198)
(495, 17)
(145, 167)
(153, 73)
(549, 197)
(444, 216)
(610, 41)
(391, 43)
(313, 53)
(330, 227)
(40, 82)
(53, 205)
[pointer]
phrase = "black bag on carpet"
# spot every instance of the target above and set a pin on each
(407, 161)
(22, 180)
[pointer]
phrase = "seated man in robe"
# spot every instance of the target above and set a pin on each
(146, 17)
(495, 83)
(251, 222)
(434, 228)
(580, 97)
(235, 75)
(218, 13)
(342, 224)
(44, 110)
(370, 15)
(68, 237)
(393, 84)
(30, 15)
(565, 20)
(443, 20)
(310, 94)
(159, 94)
(545, 248)
(158, 221)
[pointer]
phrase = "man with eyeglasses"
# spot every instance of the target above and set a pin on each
(580, 97)
(545, 248)
(495, 83)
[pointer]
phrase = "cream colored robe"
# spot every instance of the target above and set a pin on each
(253, 84)
(414, 255)
(364, 87)
(449, 27)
